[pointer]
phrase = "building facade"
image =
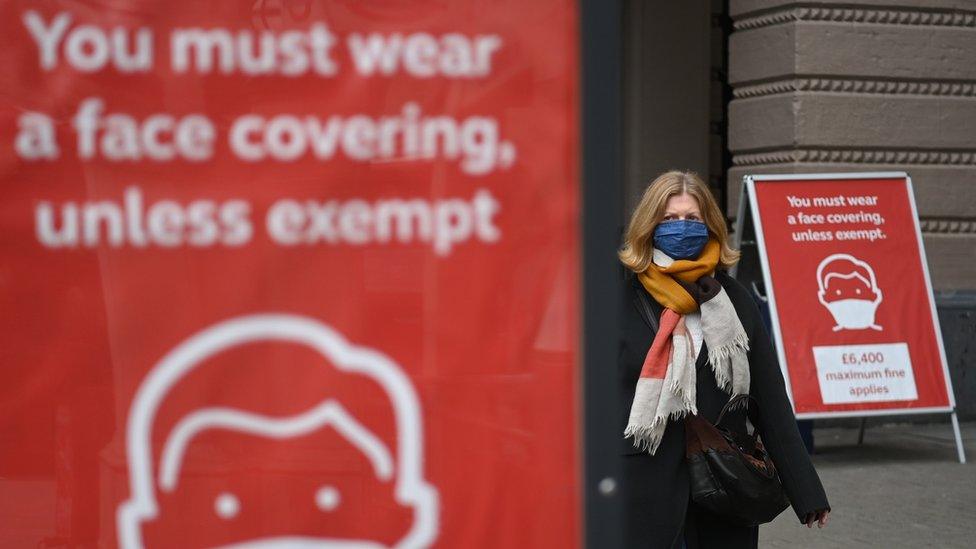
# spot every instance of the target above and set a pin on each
(771, 86)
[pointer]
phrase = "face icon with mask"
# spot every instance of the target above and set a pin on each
(849, 290)
(272, 431)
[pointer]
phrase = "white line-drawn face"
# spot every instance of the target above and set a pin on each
(849, 290)
(149, 481)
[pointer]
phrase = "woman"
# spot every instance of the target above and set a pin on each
(678, 296)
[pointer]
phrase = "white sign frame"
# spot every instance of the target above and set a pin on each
(748, 197)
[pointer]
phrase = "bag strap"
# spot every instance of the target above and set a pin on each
(646, 306)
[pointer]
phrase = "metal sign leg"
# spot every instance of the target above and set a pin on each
(955, 430)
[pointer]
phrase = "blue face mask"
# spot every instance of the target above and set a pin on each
(681, 239)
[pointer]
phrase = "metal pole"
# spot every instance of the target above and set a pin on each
(955, 429)
(600, 31)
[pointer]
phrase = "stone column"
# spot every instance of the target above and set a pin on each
(864, 85)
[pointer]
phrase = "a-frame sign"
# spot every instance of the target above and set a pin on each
(842, 263)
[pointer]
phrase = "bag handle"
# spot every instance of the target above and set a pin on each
(733, 402)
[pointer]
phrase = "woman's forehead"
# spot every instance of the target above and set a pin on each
(682, 202)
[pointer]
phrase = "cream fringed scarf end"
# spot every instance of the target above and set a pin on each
(666, 388)
(727, 344)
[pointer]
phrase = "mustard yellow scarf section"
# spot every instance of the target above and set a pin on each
(661, 284)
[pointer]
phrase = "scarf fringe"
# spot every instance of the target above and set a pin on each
(740, 343)
(648, 437)
(720, 360)
(686, 399)
(741, 405)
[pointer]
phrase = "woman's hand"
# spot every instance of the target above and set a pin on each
(820, 517)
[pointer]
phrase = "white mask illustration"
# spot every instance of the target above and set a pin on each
(853, 314)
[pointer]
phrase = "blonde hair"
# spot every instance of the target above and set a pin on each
(637, 247)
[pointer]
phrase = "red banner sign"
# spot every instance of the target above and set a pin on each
(849, 294)
(289, 273)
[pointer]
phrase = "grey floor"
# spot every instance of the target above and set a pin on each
(903, 487)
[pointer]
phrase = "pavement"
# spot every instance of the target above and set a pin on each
(903, 487)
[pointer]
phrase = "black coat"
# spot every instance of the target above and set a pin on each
(656, 488)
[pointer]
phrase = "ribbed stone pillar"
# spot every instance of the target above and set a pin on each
(864, 85)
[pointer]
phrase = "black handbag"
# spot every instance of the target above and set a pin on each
(731, 473)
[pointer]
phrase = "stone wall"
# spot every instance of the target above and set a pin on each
(864, 85)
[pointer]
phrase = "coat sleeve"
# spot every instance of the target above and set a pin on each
(776, 422)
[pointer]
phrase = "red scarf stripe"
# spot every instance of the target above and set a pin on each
(656, 362)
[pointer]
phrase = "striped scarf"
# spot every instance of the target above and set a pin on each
(666, 387)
